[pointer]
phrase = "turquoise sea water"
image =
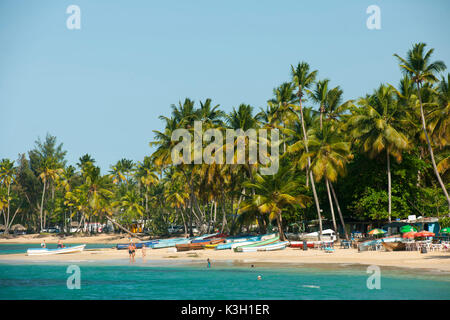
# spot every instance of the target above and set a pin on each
(118, 280)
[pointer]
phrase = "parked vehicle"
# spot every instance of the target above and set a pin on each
(51, 230)
(176, 229)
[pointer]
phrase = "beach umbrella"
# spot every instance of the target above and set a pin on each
(424, 234)
(408, 228)
(409, 235)
(445, 230)
(2, 227)
(376, 231)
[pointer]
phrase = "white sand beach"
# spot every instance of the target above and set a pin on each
(402, 259)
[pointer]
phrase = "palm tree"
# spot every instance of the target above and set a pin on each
(375, 125)
(120, 172)
(49, 171)
(420, 68)
(439, 115)
(7, 178)
(162, 156)
(130, 206)
(304, 79)
(320, 96)
(146, 173)
(282, 107)
(329, 154)
(210, 115)
(273, 194)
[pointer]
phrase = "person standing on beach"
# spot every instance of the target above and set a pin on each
(209, 263)
(131, 251)
(143, 251)
(43, 244)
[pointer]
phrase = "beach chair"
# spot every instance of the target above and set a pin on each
(329, 250)
(436, 247)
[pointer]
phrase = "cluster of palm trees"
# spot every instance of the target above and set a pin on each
(318, 143)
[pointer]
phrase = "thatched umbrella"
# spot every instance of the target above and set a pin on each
(74, 224)
(18, 227)
(2, 227)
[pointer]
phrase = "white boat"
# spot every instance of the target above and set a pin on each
(45, 251)
(270, 247)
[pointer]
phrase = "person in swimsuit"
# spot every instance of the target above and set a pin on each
(131, 251)
(43, 244)
(60, 244)
(143, 251)
(209, 263)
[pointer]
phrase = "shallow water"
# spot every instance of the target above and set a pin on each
(22, 248)
(225, 281)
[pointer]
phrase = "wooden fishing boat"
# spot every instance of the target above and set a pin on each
(45, 251)
(364, 246)
(198, 245)
(394, 246)
(242, 241)
(169, 244)
(190, 246)
(209, 241)
(299, 244)
(255, 243)
(214, 243)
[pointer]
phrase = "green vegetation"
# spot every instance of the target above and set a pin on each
(334, 155)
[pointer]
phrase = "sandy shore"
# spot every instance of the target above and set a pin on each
(402, 259)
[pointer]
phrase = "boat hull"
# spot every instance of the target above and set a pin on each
(238, 247)
(44, 251)
(270, 247)
(190, 246)
(394, 246)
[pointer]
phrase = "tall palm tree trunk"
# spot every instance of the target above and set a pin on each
(280, 227)
(430, 149)
(305, 137)
(389, 184)
(339, 210)
(120, 227)
(331, 205)
(9, 211)
(316, 199)
(321, 117)
(42, 204)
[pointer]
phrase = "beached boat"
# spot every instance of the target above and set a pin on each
(239, 241)
(394, 246)
(190, 246)
(364, 246)
(237, 246)
(123, 246)
(198, 245)
(170, 244)
(46, 251)
(149, 244)
(279, 245)
(309, 244)
(299, 244)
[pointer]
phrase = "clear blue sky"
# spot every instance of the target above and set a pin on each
(101, 89)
